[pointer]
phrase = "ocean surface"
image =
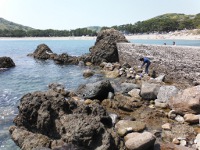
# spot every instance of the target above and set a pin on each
(34, 75)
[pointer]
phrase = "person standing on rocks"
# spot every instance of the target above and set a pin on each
(147, 62)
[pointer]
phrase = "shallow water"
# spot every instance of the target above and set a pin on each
(34, 75)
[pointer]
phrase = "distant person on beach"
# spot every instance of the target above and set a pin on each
(147, 62)
(174, 43)
(164, 43)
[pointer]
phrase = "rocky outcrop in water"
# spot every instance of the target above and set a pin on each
(105, 48)
(6, 62)
(43, 52)
(52, 119)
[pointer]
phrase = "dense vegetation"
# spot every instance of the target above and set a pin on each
(47, 33)
(161, 24)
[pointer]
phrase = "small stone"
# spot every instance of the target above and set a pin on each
(166, 126)
(176, 141)
(183, 143)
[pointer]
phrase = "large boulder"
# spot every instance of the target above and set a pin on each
(49, 119)
(98, 90)
(186, 101)
(42, 52)
(6, 62)
(105, 48)
(149, 91)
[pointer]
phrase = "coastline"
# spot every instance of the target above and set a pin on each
(177, 35)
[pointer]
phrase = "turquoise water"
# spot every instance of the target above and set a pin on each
(33, 75)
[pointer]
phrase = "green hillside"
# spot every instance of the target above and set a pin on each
(163, 23)
(8, 25)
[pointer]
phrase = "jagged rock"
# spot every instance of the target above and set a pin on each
(186, 101)
(66, 59)
(98, 90)
(105, 48)
(42, 52)
(6, 62)
(49, 116)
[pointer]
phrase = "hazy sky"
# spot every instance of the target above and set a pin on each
(72, 14)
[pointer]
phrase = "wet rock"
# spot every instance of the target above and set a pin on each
(88, 73)
(6, 62)
(186, 101)
(98, 90)
(105, 48)
(66, 59)
(28, 140)
(140, 141)
(42, 52)
(47, 116)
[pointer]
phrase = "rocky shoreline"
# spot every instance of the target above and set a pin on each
(126, 110)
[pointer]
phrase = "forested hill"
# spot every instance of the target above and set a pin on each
(8, 25)
(163, 23)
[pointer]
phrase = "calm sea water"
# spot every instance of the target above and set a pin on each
(33, 75)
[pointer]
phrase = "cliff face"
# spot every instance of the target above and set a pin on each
(179, 63)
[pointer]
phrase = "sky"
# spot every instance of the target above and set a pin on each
(73, 14)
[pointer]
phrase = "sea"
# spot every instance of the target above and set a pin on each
(31, 74)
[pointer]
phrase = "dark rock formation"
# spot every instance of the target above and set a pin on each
(57, 121)
(66, 59)
(105, 48)
(42, 52)
(98, 90)
(6, 62)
